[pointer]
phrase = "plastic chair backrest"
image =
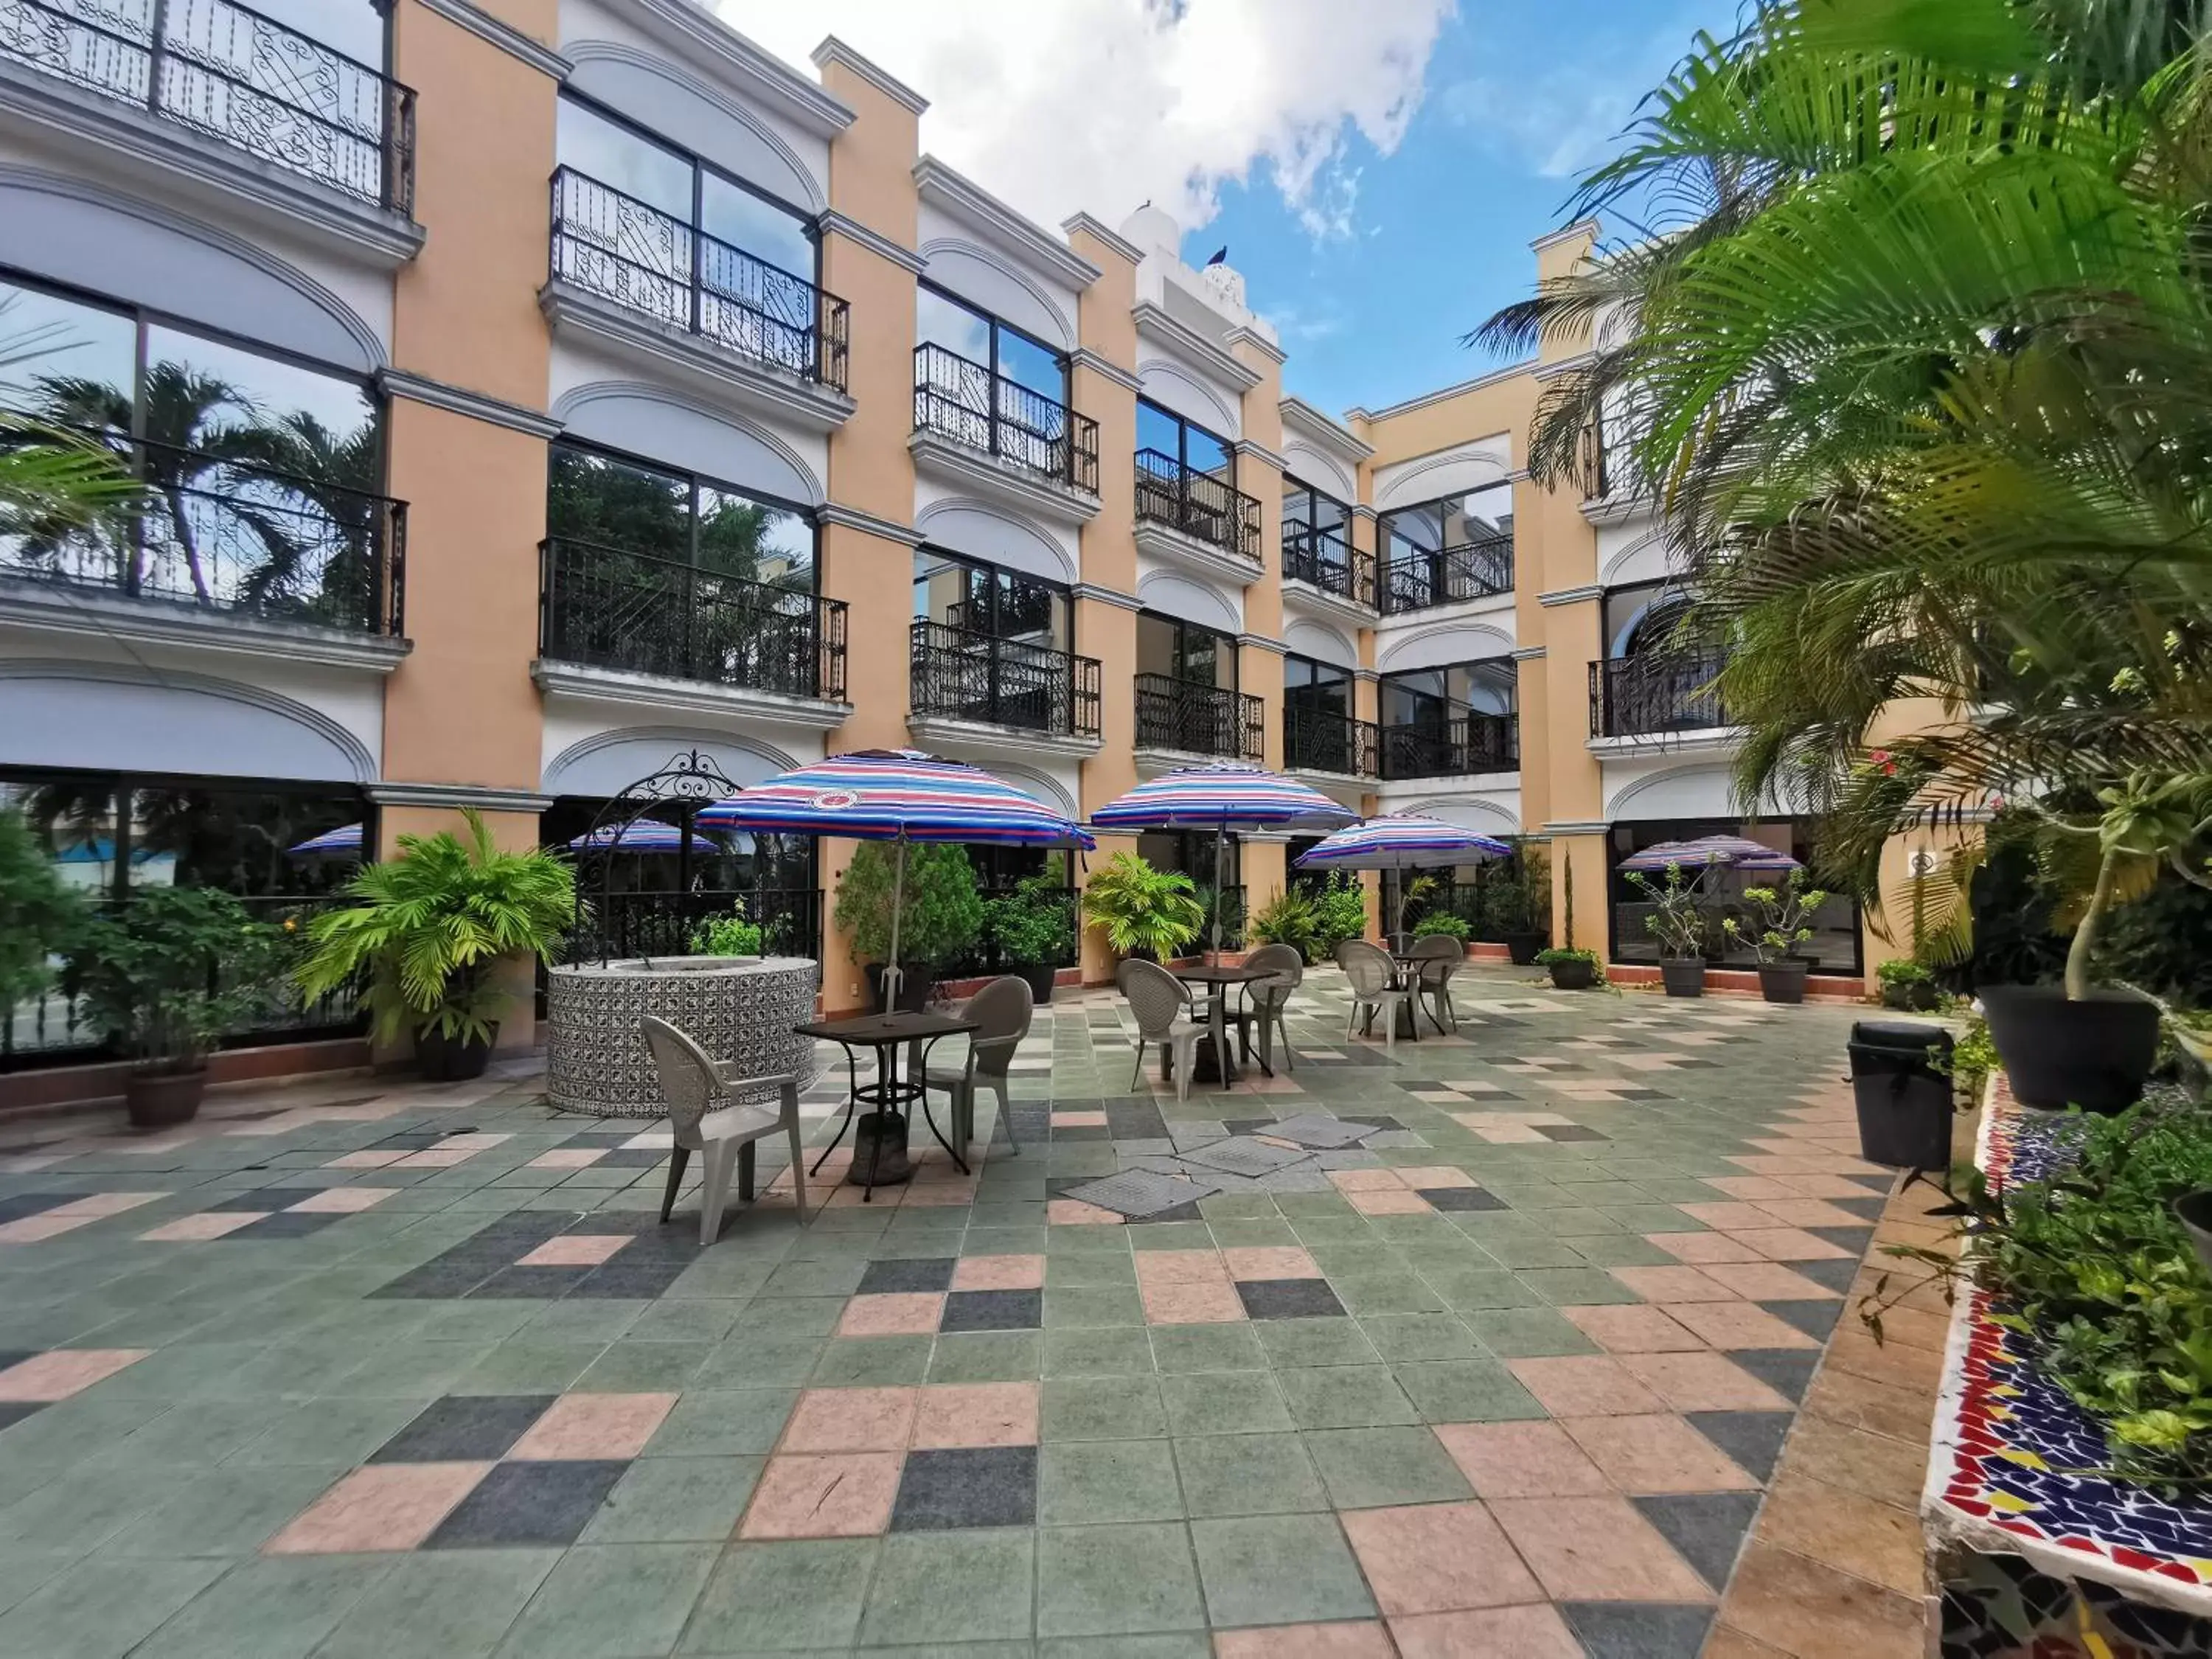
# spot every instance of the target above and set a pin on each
(1003, 1009)
(687, 1076)
(1367, 968)
(1285, 963)
(1437, 958)
(1155, 996)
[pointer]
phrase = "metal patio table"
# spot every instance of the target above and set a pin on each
(1220, 977)
(890, 1036)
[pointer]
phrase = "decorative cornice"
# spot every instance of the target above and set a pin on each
(1496, 377)
(1278, 837)
(1338, 607)
(1564, 366)
(666, 692)
(831, 221)
(1113, 239)
(482, 796)
(703, 43)
(1569, 595)
(1105, 368)
(458, 400)
(1099, 595)
(1244, 335)
(1261, 643)
(1248, 450)
(509, 39)
(1367, 676)
(982, 212)
(1312, 423)
(1155, 325)
(56, 608)
(1200, 558)
(1367, 514)
(834, 50)
(1021, 489)
(1593, 827)
(1529, 653)
(852, 518)
(935, 729)
(1566, 234)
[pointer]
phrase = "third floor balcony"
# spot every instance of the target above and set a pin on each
(964, 413)
(1325, 561)
(1454, 742)
(1192, 718)
(1448, 576)
(1322, 740)
(1036, 694)
(1215, 527)
(1656, 695)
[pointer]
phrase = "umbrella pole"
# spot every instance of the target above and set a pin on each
(1220, 843)
(898, 908)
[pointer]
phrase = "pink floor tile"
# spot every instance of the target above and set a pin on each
(1360, 1640)
(1739, 1325)
(567, 1158)
(60, 1373)
(1365, 1180)
(1387, 1201)
(1730, 1215)
(476, 1140)
(1701, 1248)
(593, 1425)
(1269, 1261)
(1787, 1245)
(92, 1205)
(999, 1273)
(843, 1496)
(575, 1250)
(977, 1414)
(367, 1159)
(1673, 1285)
(1752, 1187)
(1079, 1119)
(1701, 1382)
(1767, 1281)
(906, 1313)
(1630, 1327)
(1536, 1631)
(32, 1229)
(1597, 1549)
(1646, 1456)
(1584, 1385)
(434, 1157)
(1180, 1268)
(1191, 1304)
(1431, 1177)
(1074, 1212)
(1810, 1213)
(1437, 1558)
(381, 1506)
(1520, 1460)
(208, 1223)
(851, 1420)
(344, 1200)
(923, 1193)
(1513, 1134)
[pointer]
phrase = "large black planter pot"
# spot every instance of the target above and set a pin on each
(916, 980)
(1783, 981)
(1682, 979)
(1041, 976)
(2194, 1211)
(1572, 975)
(1522, 947)
(449, 1060)
(158, 1100)
(2096, 1053)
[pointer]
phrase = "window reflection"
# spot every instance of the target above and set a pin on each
(634, 508)
(984, 599)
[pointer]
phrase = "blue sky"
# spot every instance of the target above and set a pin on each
(1518, 101)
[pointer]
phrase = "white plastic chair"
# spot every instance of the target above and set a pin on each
(1003, 1010)
(1267, 999)
(1435, 960)
(693, 1080)
(1165, 1014)
(1373, 989)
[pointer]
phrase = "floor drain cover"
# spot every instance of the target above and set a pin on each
(1243, 1156)
(1141, 1192)
(1313, 1129)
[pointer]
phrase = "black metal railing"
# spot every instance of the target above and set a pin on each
(1462, 742)
(610, 609)
(225, 535)
(1327, 561)
(660, 924)
(958, 398)
(1200, 719)
(973, 676)
(224, 70)
(1197, 503)
(1472, 570)
(628, 251)
(1317, 740)
(1646, 695)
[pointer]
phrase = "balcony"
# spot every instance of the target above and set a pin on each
(1193, 719)
(1451, 576)
(972, 687)
(982, 429)
(220, 554)
(629, 274)
(625, 627)
(167, 76)
(1196, 520)
(1655, 696)
(1316, 740)
(1336, 578)
(1463, 743)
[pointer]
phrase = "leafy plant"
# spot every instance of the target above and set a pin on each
(728, 935)
(1973, 1057)
(940, 915)
(1505, 905)
(1287, 918)
(171, 970)
(1561, 953)
(1034, 924)
(1443, 924)
(1224, 905)
(2145, 825)
(430, 927)
(1906, 984)
(39, 913)
(1142, 908)
(1340, 913)
(1784, 918)
(1676, 919)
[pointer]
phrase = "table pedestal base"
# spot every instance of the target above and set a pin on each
(880, 1157)
(1208, 1064)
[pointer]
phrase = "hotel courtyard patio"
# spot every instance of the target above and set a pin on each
(1489, 1346)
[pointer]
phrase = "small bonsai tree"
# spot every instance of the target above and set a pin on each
(1784, 921)
(1142, 908)
(941, 914)
(1676, 919)
(172, 971)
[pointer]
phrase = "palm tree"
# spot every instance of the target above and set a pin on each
(52, 480)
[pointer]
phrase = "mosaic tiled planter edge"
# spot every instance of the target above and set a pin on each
(2033, 1559)
(739, 1008)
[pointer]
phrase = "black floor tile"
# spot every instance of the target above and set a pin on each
(976, 1487)
(993, 1310)
(1289, 1298)
(283, 1226)
(1632, 1630)
(1370, 1120)
(1753, 1439)
(264, 1198)
(1816, 1318)
(1706, 1528)
(30, 1204)
(528, 1284)
(1871, 1208)
(1785, 1370)
(16, 1356)
(1080, 1131)
(1852, 1240)
(410, 1140)
(435, 1281)
(907, 1274)
(1835, 1273)
(16, 1411)
(1136, 1123)
(519, 1503)
(1464, 1198)
(1564, 1131)
(634, 1157)
(642, 1281)
(463, 1428)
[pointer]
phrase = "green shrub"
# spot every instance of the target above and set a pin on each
(729, 935)
(1142, 908)
(941, 914)
(1443, 924)
(173, 969)
(1906, 984)
(1034, 924)
(1340, 913)
(1287, 918)
(1559, 954)
(40, 914)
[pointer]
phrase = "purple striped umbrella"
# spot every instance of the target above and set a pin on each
(343, 842)
(1708, 852)
(1401, 841)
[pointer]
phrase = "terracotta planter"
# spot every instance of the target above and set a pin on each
(448, 1060)
(2096, 1053)
(157, 1100)
(1683, 978)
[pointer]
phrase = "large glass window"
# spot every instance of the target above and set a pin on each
(1315, 525)
(1422, 696)
(1833, 948)
(1641, 618)
(633, 507)
(1479, 516)
(985, 600)
(962, 329)
(1315, 688)
(1164, 431)
(1185, 651)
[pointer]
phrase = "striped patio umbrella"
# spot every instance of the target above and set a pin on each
(638, 835)
(897, 795)
(1710, 852)
(343, 842)
(1401, 841)
(1221, 797)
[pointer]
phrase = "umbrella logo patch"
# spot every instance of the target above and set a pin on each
(836, 800)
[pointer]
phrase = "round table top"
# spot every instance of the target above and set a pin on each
(871, 1029)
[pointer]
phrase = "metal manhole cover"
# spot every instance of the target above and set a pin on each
(1314, 1129)
(1141, 1192)
(1243, 1156)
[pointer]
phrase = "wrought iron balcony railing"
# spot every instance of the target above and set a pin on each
(224, 70)
(1648, 696)
(958, 398)
(1329, 563)
(625, 925)
(1201, 719)
(1198, 504)
(1472, 570)
(1463, 743)
(974, 676)
(622, 249)
(606, 608)
(1316, 740)
(224, 535)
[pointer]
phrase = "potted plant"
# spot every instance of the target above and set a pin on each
(1145, 911)
(40, 914)
(1516, 904)
(732, 934)
(1340, 913)
(1571, 970)
(1909, 985)
(1785, 923)
(430, 928)
(1033, 927)
(1677, 920)
(1287, 918)
(2077, 1043)
(164, 975)
(940, 916)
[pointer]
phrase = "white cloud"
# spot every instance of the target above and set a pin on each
(1058, 106)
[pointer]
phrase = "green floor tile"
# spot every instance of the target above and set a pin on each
(227, 1511)
(1116, 1580)
(1102, 1409)
(1102, 1480)
(675, 1500)
(738, 1363)
(276, 1607)
(987, 1357)
(1572, 1287)
(1066, 1270)
(1091, 1306)
(722, 1422)
(1229, 1346)
(1225, 1474)
(1117, 1352)
(454, 1603)
(1224, 1402)
(786, 1319)
(1621, 1250)
(1385, 1293)
(1299, 1342)
(1345, 1397)
(1279, 1569)
(873, 1362)
(950, 1587)
(1419, 1336)
(611, 1599)
(522, 1364)
(773, 1597)
(1466, 1391)
(1372, 1468)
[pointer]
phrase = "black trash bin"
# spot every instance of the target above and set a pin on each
(1904, 1099)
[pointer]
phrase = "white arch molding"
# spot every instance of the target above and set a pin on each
(1189, 601)
(1046, 787)
(1455, 472)
(1471, 812)
(1319, 470)
(1322, 642)
(1173, 386)
(1440, 648)
(656, 424)
(981, 277)
(607, 763)
(982, 532)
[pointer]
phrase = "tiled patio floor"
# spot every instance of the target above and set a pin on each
(368, 1368)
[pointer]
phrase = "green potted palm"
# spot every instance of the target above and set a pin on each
(165, 976)
(1287, 918)
(1783, 923)
(1340, 911)
(429, 930)
(1033, 928)
(941, 915)
(1145, 911)
(1677, 921)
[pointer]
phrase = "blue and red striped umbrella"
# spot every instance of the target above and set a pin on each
(1226, 795)
(638, 835)
(1726, 852)
(1401, 841)
(343, 842)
